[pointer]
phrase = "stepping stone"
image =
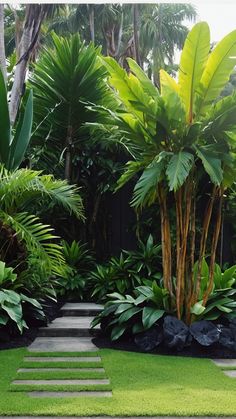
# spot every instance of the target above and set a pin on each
(230, 373)
(54, 344)
(88, 382)
(69, 327)
(61, 369)
(225, 362)
(62, 359)
(66, 394)
(81, 309)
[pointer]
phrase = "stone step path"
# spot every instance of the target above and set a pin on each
(69, 327)
(69, 333)
(226, 363)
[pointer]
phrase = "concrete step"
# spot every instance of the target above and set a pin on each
(230, 373)
(62, 359)
(67, 394)
(225, 362)
(72, 382)
(81, 309)
(62, 344)
(69, 327)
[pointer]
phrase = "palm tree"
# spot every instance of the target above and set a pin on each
(67, 78)
(162, 30)
(180, 136)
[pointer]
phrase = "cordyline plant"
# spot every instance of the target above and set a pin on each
(176, 136)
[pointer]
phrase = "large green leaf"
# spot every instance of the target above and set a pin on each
(147, 84)
(192, 63)
(211, 164)
(219, 66)
(5, 126)
(178, 169)
(145, 191)
(150, 316)
(22, 136)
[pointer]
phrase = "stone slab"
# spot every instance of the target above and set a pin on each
(65, 394)
(72, 382)
(62, 358)
(225, 362)
(62, 344)
(69, 322)
(61, 369)
(230, 373)
(82, 306)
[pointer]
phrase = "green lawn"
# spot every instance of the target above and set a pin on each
(141, 384)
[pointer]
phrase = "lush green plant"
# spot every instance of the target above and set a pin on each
(18, 191)
(12, 306)
(124, 273)
(179, 137)
(7, 276)
(80, 262)
(134, 313)
(67, 76)
(222, 300)
(14, 141)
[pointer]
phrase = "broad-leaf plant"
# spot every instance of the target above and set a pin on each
(180, 136)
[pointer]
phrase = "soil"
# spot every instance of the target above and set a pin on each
(195, 350)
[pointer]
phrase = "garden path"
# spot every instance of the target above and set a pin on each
(63, 361)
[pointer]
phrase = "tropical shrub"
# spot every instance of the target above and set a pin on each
(148, 316)
(136, 314)
(180, 137)
(12, 305)
(18, 191)
(79, 261)
(122, 274)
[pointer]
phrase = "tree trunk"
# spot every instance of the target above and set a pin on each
(2, 44)
(34, 16)
(166, 241)
(136, 32)
(91, 21)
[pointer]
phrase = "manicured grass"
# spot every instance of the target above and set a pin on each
(67, 364)
(142, 385)
(59, 375)
(53, 387)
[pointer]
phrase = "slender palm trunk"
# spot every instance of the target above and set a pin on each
(34, 16)
(136, 32)
(166, 241)
(91, 21)
(2, 44)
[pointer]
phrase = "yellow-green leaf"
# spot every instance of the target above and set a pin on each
(192, 63)
(219, 66)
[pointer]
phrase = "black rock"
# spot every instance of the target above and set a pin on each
(227, 338)
(176, 333)
(205, 332)
(149, 340)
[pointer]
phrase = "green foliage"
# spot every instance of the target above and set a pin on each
(66, 78)
(221, 302)
(80, 262)
(12, 305)
(124, 273)
(18, 190)
(14, 142)
(7, 276)
(126, 313)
